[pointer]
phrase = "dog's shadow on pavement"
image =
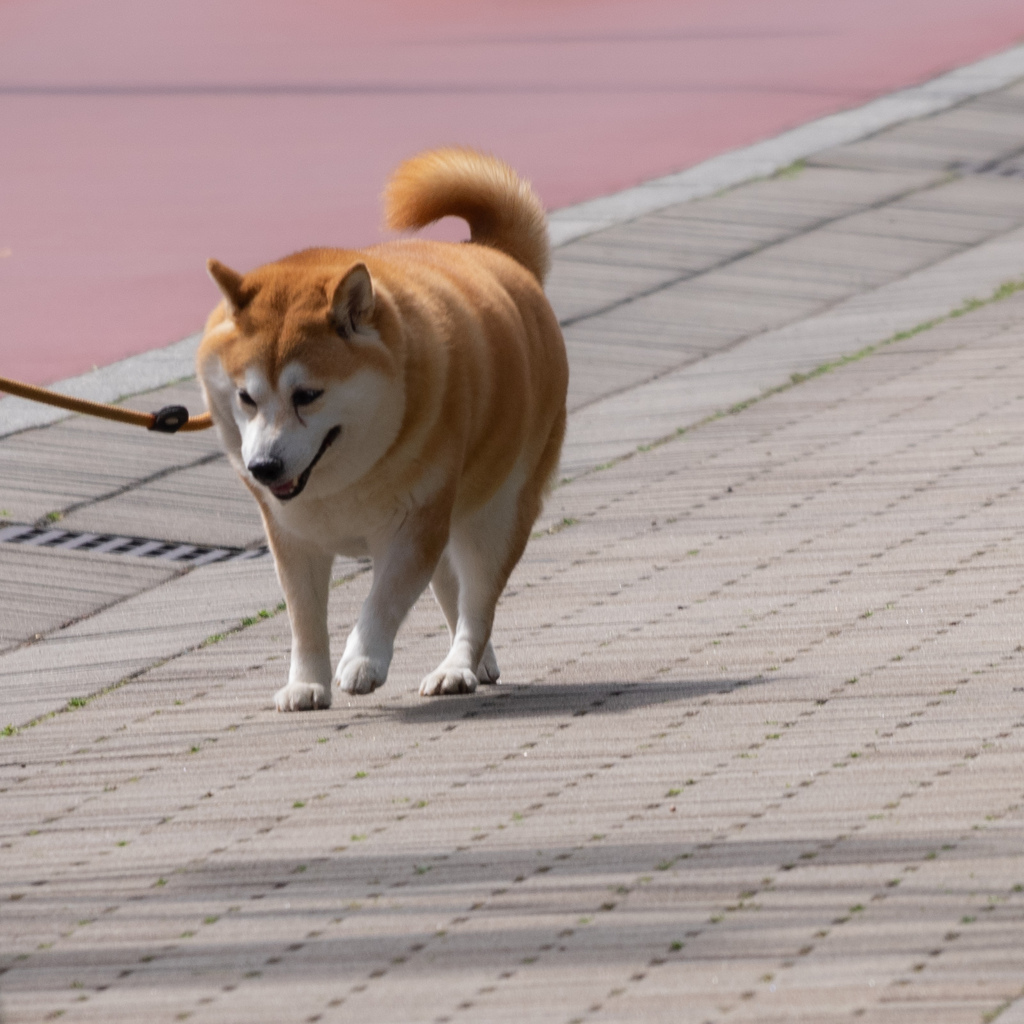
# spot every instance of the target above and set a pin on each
(565, 700)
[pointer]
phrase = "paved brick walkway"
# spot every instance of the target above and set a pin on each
(757, 752)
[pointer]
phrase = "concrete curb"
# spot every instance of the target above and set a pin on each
(144, 372)
(159, 367)
(765, 158)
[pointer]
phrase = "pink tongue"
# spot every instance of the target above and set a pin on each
(284, 488)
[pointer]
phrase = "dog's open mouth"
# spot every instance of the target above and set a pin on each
(288, 489)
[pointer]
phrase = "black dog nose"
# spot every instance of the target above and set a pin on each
(266, 470)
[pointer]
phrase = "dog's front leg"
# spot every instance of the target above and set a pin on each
(402, 567)
(305, 575)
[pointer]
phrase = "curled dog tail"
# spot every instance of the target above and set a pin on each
(502, 210)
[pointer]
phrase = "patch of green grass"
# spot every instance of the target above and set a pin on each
(563, 524)
(251, 620)
(793, 170)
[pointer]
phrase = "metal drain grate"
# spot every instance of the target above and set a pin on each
(133, 547)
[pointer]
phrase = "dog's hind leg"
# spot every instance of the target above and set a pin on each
(482, 551)
(403, 564)
(445, 585)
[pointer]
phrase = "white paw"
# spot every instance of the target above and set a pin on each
(487, 672)
(448, 680)
(302, 697)
(361, 675)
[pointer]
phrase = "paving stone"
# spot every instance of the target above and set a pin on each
(44, 590)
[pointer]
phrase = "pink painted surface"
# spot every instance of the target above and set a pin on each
(140, 137)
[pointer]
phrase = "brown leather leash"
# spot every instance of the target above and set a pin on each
(168, 420)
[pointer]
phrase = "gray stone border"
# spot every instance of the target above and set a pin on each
(765, 158)
(160, 367)
(144, 372)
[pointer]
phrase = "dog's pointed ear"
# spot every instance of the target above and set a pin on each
(352, 301)
(230, 284)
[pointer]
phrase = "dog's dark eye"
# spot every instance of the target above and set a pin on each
(246, 399)
(305, 396)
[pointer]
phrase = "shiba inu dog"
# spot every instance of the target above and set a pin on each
(405, 401)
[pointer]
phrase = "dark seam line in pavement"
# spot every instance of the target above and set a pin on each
(694, 275)
(990, 165)
(128, 487)
(827, 307)
(85, 616)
